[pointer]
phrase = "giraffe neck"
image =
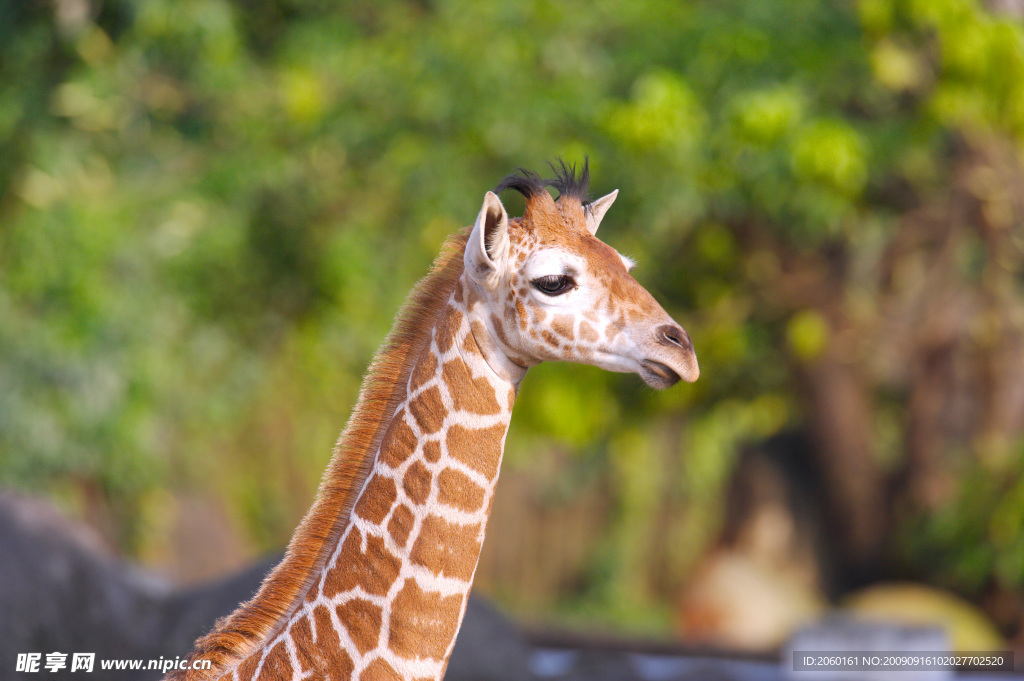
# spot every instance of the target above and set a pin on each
(389, 600)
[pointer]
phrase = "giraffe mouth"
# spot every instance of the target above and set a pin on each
(658, 375)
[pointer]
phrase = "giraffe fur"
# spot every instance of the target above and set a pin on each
(375, 581)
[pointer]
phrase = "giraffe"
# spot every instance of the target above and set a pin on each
(375, 580)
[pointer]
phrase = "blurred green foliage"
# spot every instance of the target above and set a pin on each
(980, 534)
(209, 213)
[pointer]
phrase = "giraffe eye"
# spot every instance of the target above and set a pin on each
(554, 284)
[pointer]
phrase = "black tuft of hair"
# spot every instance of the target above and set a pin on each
(527, 183)
(568, 183)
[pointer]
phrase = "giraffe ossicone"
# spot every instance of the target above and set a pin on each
(375, 580)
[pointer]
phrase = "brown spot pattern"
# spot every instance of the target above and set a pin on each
(428, 410)
(417, 483)
(401, 524)
(377, 499)
(326, 659)
(374, 570)
(277, 664)
(398, 443)
(303, 632)
(456, 489)
(379, 670)
(562, 325)
(432, 451)
(469, 343)
(447, 328)
(478, 448)
(587, 333)
(362, 619)
(423, 623)
(474, 395)
(446, 548)
(424, 371)
(478, 330)
(248, 668)
(499, 329)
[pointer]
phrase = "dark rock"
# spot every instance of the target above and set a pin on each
(489, 647)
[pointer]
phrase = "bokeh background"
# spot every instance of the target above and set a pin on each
(210, 212)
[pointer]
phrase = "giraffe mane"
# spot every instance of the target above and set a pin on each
(238, 635)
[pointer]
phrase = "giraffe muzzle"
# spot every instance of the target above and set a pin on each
(674, 359)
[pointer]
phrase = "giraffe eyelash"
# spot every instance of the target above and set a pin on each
(554, 284)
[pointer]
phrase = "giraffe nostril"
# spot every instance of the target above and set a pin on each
(675, 335)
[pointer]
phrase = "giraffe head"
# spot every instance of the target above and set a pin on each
(553, 291)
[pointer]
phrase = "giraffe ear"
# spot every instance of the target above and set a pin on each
(597, 209)
(487, 248)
